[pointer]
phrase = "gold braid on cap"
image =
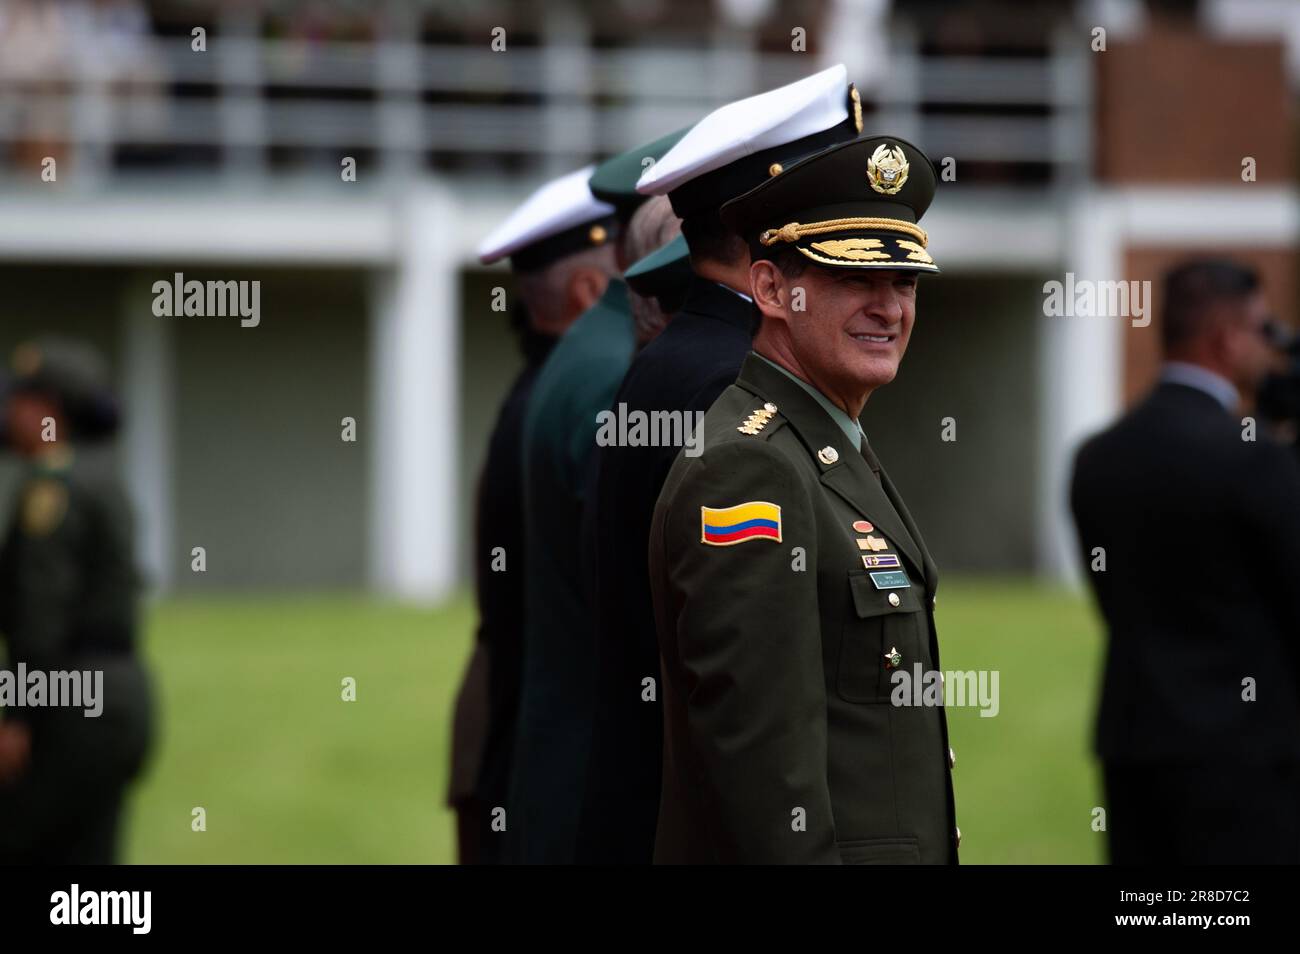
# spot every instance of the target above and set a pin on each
(793, 231)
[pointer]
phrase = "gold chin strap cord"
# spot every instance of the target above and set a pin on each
(793, 231)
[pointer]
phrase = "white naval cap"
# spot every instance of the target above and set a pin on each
(558, 219)
(738, 146)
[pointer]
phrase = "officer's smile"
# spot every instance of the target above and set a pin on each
(875, 342)
(872, 339)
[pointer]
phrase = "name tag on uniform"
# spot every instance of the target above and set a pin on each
(891, 580)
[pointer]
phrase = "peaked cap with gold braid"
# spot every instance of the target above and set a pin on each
(854, 205)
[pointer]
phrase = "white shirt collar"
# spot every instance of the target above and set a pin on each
(734, 292)
(1203, 379)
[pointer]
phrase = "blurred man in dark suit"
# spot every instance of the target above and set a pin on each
(1190, 526)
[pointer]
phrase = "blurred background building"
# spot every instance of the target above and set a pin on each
(140, 139)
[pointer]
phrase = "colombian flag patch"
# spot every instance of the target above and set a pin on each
(725, 526)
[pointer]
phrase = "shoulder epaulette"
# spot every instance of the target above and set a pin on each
(757, 420)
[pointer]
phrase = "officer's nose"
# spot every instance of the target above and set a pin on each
(884, 308)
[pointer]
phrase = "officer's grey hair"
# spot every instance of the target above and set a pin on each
(543, 289)
(653, 226)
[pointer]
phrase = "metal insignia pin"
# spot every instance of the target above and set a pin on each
(887, 169)
(893, 659)
(828, 455)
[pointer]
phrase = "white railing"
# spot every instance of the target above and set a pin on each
(411, 105)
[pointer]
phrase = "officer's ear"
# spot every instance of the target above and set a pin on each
(768, 288)
(584, 288)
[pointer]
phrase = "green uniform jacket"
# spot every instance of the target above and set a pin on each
(576, 383)
(68, 601)
(781, 743)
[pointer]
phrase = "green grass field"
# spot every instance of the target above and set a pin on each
(253, 728)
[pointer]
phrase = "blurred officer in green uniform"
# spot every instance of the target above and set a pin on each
(556, 243)
(577, 382)
(68, 604)
(790, 583)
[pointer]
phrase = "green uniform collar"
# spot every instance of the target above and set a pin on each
(613, 301)
(615, 295)
(851, 428)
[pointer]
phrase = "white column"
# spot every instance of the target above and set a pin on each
(1072, 100)
(398, 80)
(856, 33)
(899, 92)
(733, 64)
(241, 109)
(91, 110)
(569, 115)
(412, 429)
(1081, 366)
(147, 392)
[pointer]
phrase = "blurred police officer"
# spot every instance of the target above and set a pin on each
(68, 603)
(556, 242)
(681, 372)
(1190, 527)
(789, 580)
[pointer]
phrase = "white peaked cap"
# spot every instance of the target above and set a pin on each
(811, 105)
(561, 204)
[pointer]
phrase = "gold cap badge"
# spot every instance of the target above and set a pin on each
(887, 169)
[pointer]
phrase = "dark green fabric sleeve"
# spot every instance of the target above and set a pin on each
(746, 632)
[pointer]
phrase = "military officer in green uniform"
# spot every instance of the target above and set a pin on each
(790, 582)
(575, 385)
(68, 603)
(557, 245)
